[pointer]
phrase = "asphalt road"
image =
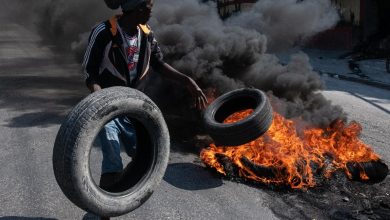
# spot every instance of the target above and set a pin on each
(37, 89)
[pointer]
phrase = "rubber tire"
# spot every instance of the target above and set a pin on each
(74, 141)
(245, 130)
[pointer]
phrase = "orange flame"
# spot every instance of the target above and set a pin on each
(294, 157)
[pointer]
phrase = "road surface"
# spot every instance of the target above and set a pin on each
(38, 88)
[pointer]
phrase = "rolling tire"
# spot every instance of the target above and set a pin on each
(245, 130)
(76, 136)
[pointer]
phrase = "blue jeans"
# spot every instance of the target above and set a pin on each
(117, 131)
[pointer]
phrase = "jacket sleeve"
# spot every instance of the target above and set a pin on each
(94, 54)
(156, 58)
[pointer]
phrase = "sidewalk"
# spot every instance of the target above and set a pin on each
(373, 72)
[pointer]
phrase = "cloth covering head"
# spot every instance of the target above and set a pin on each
(126, 5)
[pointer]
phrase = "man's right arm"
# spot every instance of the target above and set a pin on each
(93, 57)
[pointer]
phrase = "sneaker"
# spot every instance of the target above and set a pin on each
(109, 180)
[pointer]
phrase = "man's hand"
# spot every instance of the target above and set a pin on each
(197, 94)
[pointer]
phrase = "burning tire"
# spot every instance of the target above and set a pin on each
(74, 141)
(242, 131)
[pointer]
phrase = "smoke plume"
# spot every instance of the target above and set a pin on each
(220, 54)
(233, 53)
(287, 22)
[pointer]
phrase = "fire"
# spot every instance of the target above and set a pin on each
(210, 95)
(286, 156)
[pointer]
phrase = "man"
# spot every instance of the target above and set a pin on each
(120, 53)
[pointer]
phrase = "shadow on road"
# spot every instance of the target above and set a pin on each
(373, 103)
(190, 176)
(41, 119)
(90, 216)
(40, 93)
(360, 91)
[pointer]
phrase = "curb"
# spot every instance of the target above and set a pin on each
(354, 79)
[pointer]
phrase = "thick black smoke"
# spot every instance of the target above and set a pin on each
(287, 22)
(219, 54)
(64, 24)
(232, 54)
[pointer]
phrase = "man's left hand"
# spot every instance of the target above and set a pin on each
(197, 94)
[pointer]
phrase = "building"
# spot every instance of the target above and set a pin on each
(360, 21)
(229, 7)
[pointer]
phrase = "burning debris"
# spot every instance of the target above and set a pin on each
(297, 158)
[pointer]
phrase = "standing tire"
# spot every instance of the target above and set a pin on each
(245, 130)
(75, 138)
